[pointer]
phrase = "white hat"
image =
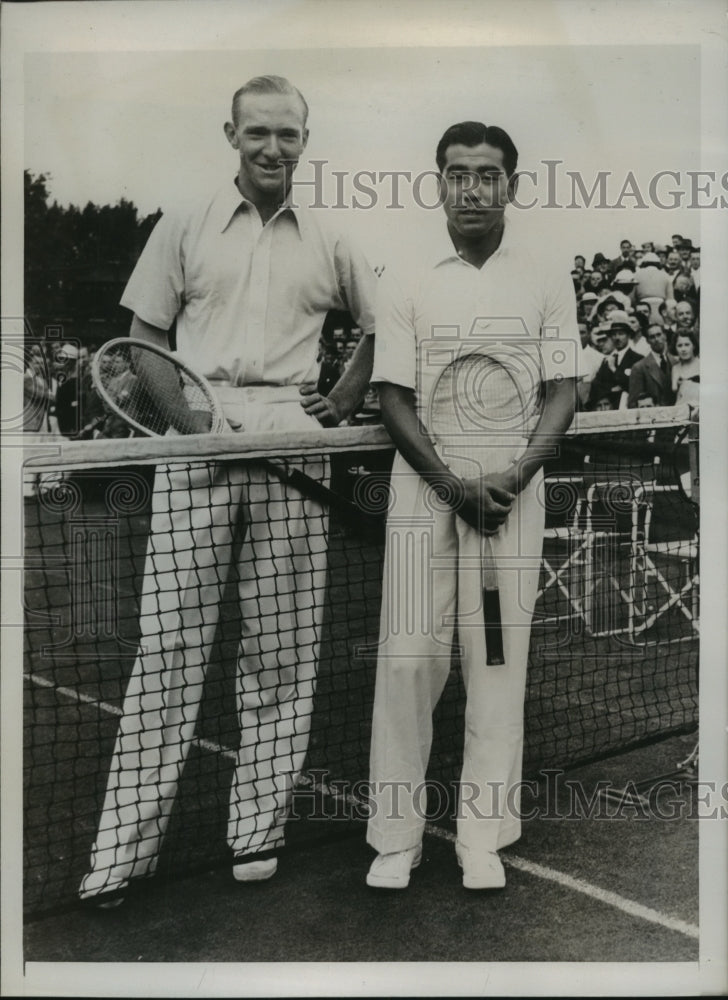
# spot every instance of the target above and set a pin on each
(650, 258)
(616, 319)
(68, 351)
(624, 277)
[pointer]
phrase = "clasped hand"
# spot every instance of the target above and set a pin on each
(488, 500)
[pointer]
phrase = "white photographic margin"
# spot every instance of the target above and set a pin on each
(301, 24)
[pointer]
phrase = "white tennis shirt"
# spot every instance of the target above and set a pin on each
(435, 306)
(249, 300)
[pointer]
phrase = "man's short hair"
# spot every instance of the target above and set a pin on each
(685, 302)
(474, 134)
(266, 85)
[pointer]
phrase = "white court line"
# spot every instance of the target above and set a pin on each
(105, 706)
(605, 896)
(627, 906)
(74, 695)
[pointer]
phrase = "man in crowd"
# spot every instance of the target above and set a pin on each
(594, 351)
(248, 277)
(668, 317)
(612, 379)
(652, 375)
(685, 249)
(330, 370)
(684, 316)
(695, 267)
(673, 265)
(601, 263)
(484, 288)
(683, 289)
(625, 258)
(607, 305)
(68, 377)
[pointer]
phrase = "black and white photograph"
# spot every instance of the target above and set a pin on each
(363, 425)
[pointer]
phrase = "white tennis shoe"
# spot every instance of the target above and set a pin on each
(255, 871)
(392, 871)
(480, 871)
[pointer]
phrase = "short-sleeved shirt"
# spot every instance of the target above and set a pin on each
(437, 306)
(249, 300)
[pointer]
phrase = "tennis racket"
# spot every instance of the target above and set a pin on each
(157, 394)
(479, 415)
(153, 391)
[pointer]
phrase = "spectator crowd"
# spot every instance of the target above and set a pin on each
(59, 397)
(58, 392)
(639, 323)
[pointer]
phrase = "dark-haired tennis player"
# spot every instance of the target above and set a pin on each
(248, 279)
(486, 288)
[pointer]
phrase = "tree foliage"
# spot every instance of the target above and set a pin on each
(78, 260)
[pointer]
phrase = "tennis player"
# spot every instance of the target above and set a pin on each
(487, 287)
(248, 279)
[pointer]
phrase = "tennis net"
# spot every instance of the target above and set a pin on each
(613, 659)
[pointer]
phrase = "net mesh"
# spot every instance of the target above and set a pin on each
(269, 628)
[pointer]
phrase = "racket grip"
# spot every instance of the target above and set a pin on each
(491, 607)
(493, 628)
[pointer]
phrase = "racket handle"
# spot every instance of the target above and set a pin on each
(349, 513)
(491, 609)
(493, 629)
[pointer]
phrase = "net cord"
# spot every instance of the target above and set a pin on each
(48, 452)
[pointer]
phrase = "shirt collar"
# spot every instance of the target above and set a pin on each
(443, 250)
(229, 200)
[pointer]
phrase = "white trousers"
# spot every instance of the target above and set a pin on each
(433, 580)
(282, 577)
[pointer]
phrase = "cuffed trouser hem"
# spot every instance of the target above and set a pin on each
(385, 842)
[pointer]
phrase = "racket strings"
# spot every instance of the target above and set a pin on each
(154, 392)
(479, 413)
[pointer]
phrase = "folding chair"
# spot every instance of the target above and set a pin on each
(654, 589)
(563, 572)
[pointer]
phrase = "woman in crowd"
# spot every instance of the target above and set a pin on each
(686, 371)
